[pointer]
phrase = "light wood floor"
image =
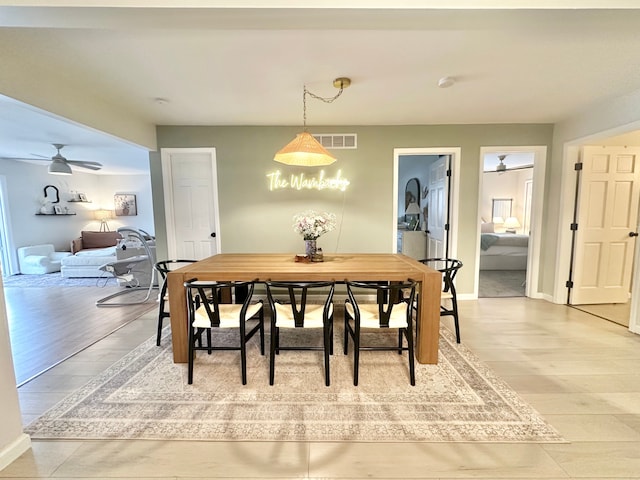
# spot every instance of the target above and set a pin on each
(580, 372)
(47, 325)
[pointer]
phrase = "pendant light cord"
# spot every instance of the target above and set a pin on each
(317, 97)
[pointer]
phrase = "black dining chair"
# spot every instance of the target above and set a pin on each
(449, 268)
(392, 310)
(290, 309)
(163, 268)
(207, 312)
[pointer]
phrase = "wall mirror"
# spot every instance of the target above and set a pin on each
(412, 193)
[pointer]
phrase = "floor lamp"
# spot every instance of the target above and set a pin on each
(103, 216)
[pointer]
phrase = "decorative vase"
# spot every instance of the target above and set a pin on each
(310, 247)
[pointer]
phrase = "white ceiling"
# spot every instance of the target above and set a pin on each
(247, 66)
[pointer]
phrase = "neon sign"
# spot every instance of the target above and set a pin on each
(299, 181)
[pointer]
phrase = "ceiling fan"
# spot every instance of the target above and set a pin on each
(61, 166)
(502, 167)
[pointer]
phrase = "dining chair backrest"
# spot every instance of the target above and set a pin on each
(209, 295)
(388, 295)
(448, 267)
(297, 294)
(163, 267)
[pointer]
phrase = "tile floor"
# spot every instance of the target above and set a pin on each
(580, 372)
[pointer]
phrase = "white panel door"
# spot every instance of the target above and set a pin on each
(191, 202)
(607, 213)
(437, 208)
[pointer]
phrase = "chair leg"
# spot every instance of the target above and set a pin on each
(160, 322)
(455, 320)
(399, 342)
(412, 371)
(272, 354)
(191, 355)
(261, 320)
(243, 358)
(346, 334)
(327, 348)
(356, 354)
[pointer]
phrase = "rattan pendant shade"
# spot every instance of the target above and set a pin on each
(304, 151)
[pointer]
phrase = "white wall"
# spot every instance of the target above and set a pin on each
(25, 190)
(509, 184)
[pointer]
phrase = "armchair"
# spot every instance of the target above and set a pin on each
(39, 259)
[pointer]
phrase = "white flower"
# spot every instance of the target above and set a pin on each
(311, 224)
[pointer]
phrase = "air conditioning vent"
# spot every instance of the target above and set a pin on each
(337, 140)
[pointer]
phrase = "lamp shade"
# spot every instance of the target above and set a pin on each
(59, 167)
(305, 151)
(511, 222)
(102, 214)
(498, 220)
(412, 209)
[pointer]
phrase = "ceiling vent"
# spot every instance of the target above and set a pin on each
(338, 141)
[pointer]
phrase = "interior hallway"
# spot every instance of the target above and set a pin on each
(578, 371)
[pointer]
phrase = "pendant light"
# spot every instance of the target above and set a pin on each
(305, 150)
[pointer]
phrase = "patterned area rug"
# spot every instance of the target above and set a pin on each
(146, 396)
(57, 280)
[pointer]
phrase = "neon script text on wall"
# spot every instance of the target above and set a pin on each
(299, 181)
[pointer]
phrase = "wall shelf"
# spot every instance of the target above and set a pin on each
(55, 214)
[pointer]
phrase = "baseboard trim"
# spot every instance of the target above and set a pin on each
(14, 450)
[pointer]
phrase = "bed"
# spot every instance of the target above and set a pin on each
(503, 251)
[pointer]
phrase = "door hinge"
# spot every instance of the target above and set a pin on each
(578, 166)
(569, 284)
(448, 172)
(446, 227)
(574, 227)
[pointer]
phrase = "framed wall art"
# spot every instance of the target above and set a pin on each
(125, 205)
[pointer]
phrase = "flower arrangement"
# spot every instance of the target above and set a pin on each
(311, 224)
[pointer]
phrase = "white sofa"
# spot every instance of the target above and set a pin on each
(90, 251)
(39, 259)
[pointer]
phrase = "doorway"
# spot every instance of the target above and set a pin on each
(509, 231)
(436, 170)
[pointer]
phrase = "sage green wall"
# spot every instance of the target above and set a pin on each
(254, 219)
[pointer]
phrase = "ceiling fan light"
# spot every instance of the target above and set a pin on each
(58, 167)
(304, 151)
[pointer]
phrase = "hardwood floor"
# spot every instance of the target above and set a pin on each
(49, 324)
(579, 371)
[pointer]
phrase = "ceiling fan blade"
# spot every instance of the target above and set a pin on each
(41, 156)
(24, 159)
(83, 164)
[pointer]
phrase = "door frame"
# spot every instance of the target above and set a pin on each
(532, 287)
(452, 196)
(167, 183)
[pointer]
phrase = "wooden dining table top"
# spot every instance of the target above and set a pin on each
(279, 266)
(338, 267)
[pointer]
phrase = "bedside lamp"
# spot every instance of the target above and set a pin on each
(510, 224)
(103, 215)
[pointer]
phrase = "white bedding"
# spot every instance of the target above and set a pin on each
(503, 251)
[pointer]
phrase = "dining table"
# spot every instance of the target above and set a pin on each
(338, 267)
